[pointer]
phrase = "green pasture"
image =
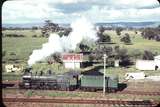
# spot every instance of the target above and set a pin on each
(18, 49)
(28, 33)
(138, 43)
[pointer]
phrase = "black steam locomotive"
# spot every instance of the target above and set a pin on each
(68, 81)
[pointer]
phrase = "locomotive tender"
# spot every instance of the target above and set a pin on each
(69, 81)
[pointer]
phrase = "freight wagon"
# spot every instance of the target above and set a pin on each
(95, 83)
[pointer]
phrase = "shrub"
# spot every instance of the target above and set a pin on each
(122, 55)
(126, 39)
(119, 30)
(12, 53)
(148, 55)
(3, 53)
(104, 38)
(34, 36)
(14, 35)
(157, 38)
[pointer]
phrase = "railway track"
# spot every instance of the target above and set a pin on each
(14, 86)
(139, 93)
(83, 101)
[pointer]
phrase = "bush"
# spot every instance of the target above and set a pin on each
(126, 39)
(119, 30)
(14, 35)
(12, 53)
(151, 33)
(157, 38)
(122, 55)
(3, 53)
(34, 36)
(91, 57)
(148, 55)
(104, 38)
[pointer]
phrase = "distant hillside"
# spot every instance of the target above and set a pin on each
(26, 25)
(130, 24)
(115, 24)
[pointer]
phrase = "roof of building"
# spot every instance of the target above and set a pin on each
(157, 57)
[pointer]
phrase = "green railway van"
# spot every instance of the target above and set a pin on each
(89, 82)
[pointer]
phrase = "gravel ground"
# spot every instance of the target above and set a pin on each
(135, 86)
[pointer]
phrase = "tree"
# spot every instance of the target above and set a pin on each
(49, 27)
(122, 55)
(56, 57)
(151, 33)
(34, 27)
(103, 38)
(65, 32)
(100, 51)
(101, 29)
(126, 39)
(119, 30)
(86, 45)
(83, 47)
(148, 55)
(148, 33)
(107, 38)
(157, 38)
(91, 57)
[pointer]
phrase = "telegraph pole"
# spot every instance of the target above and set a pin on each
(104, 74)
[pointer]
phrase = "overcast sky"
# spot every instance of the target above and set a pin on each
(66, 11)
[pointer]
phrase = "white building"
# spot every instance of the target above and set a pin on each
(157, 61)
(71, 60)
(145, 65)
(149, 64)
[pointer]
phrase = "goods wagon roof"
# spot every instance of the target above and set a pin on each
(92, 72)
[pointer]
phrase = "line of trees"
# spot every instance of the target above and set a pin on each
(151, 33)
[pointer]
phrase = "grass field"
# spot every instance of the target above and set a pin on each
(138, 43)
(74, 94)
(18, 49)
(27, 33)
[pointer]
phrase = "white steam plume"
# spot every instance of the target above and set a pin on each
(81, 29)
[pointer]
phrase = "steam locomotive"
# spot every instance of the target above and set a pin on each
(68, 81)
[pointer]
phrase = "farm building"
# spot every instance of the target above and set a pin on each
(145, 65)
(148, 64)
(72, 60)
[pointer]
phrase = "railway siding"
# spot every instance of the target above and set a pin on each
(81, 101)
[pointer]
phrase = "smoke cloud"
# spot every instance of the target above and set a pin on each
(81, 29)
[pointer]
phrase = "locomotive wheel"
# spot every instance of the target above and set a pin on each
(92, 89)
(71, 88)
